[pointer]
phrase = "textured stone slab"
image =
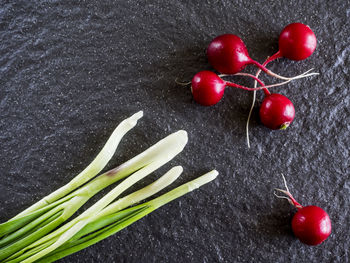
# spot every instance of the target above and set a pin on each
(70, 72)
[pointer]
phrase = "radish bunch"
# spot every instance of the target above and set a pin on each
(229, 56)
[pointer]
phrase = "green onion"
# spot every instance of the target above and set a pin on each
(36, 234)
(128, 200)
(93, 168)
(67, 231)
(89, 172)
(108, 225)
(164, 150)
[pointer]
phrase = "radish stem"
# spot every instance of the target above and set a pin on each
(269, 72)
(263, 87)
(288, 196)
(268, 60)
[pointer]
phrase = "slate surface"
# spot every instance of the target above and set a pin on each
(70, 71)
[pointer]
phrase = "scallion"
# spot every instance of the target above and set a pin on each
(36, 233)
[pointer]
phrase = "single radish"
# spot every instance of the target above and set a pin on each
(310, 224)
(296, 42)
(208, 88)
(228, 55)
(276, 111)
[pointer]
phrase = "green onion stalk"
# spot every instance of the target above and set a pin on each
(35, 235)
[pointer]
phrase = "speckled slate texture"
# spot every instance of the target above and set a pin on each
(70, 71)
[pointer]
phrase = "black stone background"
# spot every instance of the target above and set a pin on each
(70, 71)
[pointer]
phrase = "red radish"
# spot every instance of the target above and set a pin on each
(297, 42)
(310, 224)
(228, 55)
(276, 111)
(208, 88)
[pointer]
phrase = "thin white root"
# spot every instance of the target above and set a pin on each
(225, 75)
(285, 183)
(288, 196)
(182, 83)
(282, 197)
(250, 114)
(282, 191)
(303, 75)
(252, 107)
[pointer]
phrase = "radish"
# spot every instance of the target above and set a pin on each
(208, 88)
(276, 111)
(310, 224)
(228, 55)
(296, 42)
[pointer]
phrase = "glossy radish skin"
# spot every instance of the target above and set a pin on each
(228, 54)
(297, 41)
(311, 225)
(207, 88)
(276, 111)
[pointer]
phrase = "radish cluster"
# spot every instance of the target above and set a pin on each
(229, 56)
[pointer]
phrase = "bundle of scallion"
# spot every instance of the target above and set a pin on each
(36, 235)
